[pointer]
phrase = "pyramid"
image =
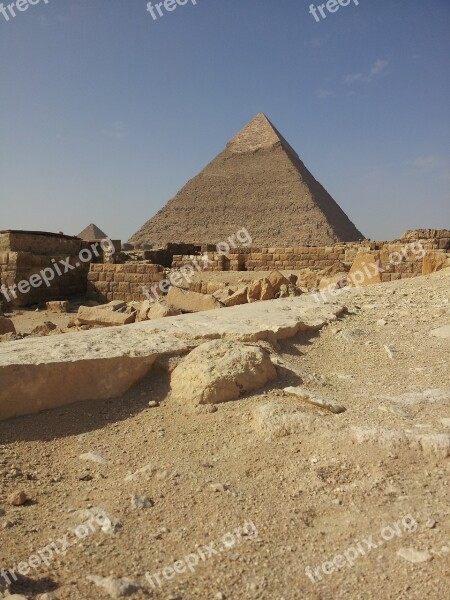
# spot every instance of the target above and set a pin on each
(92, 233)
(257, 182)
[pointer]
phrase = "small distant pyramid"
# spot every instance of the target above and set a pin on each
(92, 233)
(257, 182)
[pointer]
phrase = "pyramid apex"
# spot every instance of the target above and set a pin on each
(257, 134)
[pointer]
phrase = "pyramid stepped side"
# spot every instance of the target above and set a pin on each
(257, 182)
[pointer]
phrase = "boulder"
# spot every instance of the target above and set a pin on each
(277, 279)
(334, 282)
(364, 270)
(113, 305)
(6, 326)
(434, 261)
(58, 306)
(144, 310)
(239, 297)
(160, 310)
(44, 329)
(101, 316)
(219, 371)
(188, 301)
(254, 291)
(267, 290)
(222, 294)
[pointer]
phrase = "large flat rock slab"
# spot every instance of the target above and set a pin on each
(41, 373)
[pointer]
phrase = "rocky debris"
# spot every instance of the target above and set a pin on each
(146, 469)
(160, 310)
(223, 294)
(188, 301)
(267, 290)
(277, 279)
(143, 311)
(254, 291)
(17, 498)
(276, 420)
(103, 316)
(431, 444)
(361, 273)
(414, 556)
(141, 502)
(116, 588)
(105, 522)
(219, 371)
(441, 332)
(435, 261)
(6, 326)
(316, 399)
(45, 329)
(58, 306)
(94, 457)
(238, 297)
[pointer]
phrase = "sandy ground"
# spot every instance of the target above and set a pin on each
(304, 489)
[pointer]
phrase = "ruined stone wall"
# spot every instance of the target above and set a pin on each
(26, 254)
(124, 282)
(397, 259)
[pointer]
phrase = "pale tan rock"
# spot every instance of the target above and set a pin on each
(267, 290)
(45, 329)
(316, 399)
(254, 291)
(160, 310)
(101, 316)
(104, 363)
(6, 326)
(239, 297)
(364, 270)
(188, 301)
(219, 371)
(58, 306)
(17, 498)
(433, 261)
(275, 420)
(113, 305)
(414, 556)
(277, 279)
(222, 294)
(143, 311)
(334, 282)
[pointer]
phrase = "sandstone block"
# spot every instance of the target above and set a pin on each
(58, 306)
(433, 261)
(102, 316)
(239, 297)
(159, 310)
(364, 270)
(219, 371)
(188, 301)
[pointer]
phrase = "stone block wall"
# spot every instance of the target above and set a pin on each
(106, 282)
(27, 254)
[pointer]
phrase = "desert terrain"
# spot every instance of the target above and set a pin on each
(270, 496)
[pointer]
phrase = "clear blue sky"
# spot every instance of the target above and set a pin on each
(106, 113)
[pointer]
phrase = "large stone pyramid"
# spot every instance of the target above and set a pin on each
(257, 182)
(92, 233)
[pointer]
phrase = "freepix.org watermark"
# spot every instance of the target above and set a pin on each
(57, 268)
(190, 562)
(156, 8)
(175, 279)
(42, 558)
(364, 275)
(347, 558)
(8, 11)
(331, 6)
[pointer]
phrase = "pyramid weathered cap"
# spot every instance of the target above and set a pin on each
(259, 133)
(91, 233)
